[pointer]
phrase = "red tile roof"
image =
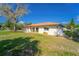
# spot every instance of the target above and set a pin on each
(44, 24)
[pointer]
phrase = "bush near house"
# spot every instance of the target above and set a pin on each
(70, 33)
(73, 31)
(74, 35)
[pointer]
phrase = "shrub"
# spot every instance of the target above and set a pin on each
(72, 35)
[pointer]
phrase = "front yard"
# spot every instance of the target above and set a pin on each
(48, 45)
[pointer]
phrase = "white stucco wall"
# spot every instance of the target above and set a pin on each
(55, 31)
(27, 30)
(51, 31)
(41, 30)
(60, 32)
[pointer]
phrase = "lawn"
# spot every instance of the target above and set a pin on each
(48, 45)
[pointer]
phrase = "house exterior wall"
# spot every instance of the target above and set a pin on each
(55, 31)
(51, 31)
(27, 30)
(41, 30)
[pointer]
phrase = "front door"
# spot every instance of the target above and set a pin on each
(36, 29)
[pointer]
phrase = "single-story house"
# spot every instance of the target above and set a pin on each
(48, 28)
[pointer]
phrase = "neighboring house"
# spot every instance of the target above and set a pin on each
(45, 28)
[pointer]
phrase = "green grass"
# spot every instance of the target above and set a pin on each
(49, 45)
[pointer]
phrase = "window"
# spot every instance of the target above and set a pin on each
(46, 29)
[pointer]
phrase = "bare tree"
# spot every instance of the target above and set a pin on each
(12, 15)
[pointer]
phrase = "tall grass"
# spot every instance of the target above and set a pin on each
(49, 45)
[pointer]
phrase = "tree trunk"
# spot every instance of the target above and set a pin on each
(14, 25)
(15, 28)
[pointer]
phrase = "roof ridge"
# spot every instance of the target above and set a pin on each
(47, 22)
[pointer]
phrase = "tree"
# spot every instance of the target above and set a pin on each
(77, 26)
(13, 15)
(71, 24)
(9, 25)
(20, 25)
(29, 23)
(1, 25)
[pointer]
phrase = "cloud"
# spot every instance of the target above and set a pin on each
(64, 22)
(77, 18)
(21, 22)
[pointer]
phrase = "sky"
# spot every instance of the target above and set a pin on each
(46, 12)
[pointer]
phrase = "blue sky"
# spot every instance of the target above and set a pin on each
(54, 12)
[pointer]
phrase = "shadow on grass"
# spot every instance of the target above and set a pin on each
(19, 47)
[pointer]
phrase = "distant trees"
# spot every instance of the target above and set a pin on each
(1, 25)
(9, 25)
(77, 26)
(13, 15)
(20, 26)
(72, 24)
(29, 23)
(72, 31)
